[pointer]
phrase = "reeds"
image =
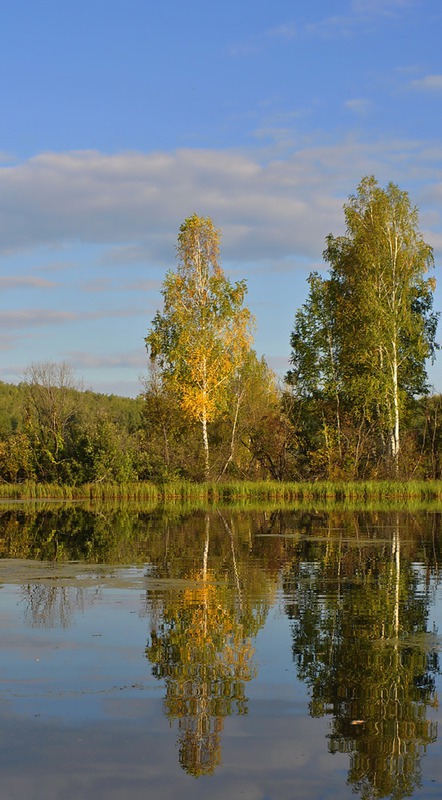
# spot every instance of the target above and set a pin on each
(139, 491)
(237, 493)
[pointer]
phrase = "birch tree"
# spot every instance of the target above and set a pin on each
(380, 322)
(203, 334)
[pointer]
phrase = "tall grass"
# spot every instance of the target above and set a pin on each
(240, 492)
(90, 491)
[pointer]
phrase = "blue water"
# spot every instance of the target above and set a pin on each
(85, 716)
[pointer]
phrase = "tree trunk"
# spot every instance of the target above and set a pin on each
(206, 446)
(396, 413)
(233, 436)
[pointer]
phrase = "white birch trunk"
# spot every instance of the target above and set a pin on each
(204, 422)
(395, 442)
(206, 445)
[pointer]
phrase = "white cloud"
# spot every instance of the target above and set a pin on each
(87, 360)
(22, 281)
(56, 266)
(34, 318)
(142, 286)
(130, 254)
(339, 25)
(434, 239)
(332, 26)
(8, 342)
(361, 13)
(431, 83)
(385, 7)
(37, 318)
(132, 204)
(99, 285)
(241, 49)
(358, 105)
(287, 30)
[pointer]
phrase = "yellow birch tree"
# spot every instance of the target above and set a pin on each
(203, 334)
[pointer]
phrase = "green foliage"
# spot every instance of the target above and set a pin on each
(11, 412)
(53, 432)
(169, 441)
(361, 341)
(16, 459)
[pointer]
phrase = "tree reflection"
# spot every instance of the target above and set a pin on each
(52, 605)
(358, 603)
(360, 642)
(201, 644)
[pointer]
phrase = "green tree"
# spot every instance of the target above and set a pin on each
(51, 400)
(203, 334)
(428, 425)
(11, 410)
(169, 439)
(249, 439)
(362, 339)
(16, 459)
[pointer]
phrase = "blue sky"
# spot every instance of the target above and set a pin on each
(120, 118)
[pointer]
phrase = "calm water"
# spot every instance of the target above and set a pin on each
(261, 656)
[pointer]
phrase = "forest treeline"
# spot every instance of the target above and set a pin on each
(355, 404)
(66, 435)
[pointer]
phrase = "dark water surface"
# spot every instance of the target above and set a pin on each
(267, 655)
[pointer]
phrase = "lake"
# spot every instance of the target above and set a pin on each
(264, 655)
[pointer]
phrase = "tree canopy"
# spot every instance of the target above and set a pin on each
(361, 341)
(202, 336)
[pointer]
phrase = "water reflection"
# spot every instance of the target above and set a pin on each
(49, 605)
(356, 587)
(201, 641)
(360, 642)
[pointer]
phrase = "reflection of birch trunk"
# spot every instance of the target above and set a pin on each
(397, 572)
(166, 544)
(396, 749)
(206, 549)
(205, 571)
(337, 558)
(235, 565)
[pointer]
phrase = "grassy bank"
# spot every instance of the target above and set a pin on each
(238, 492)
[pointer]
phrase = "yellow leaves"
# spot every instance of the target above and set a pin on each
(198, 246)
(204, 333)
(213, 637)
